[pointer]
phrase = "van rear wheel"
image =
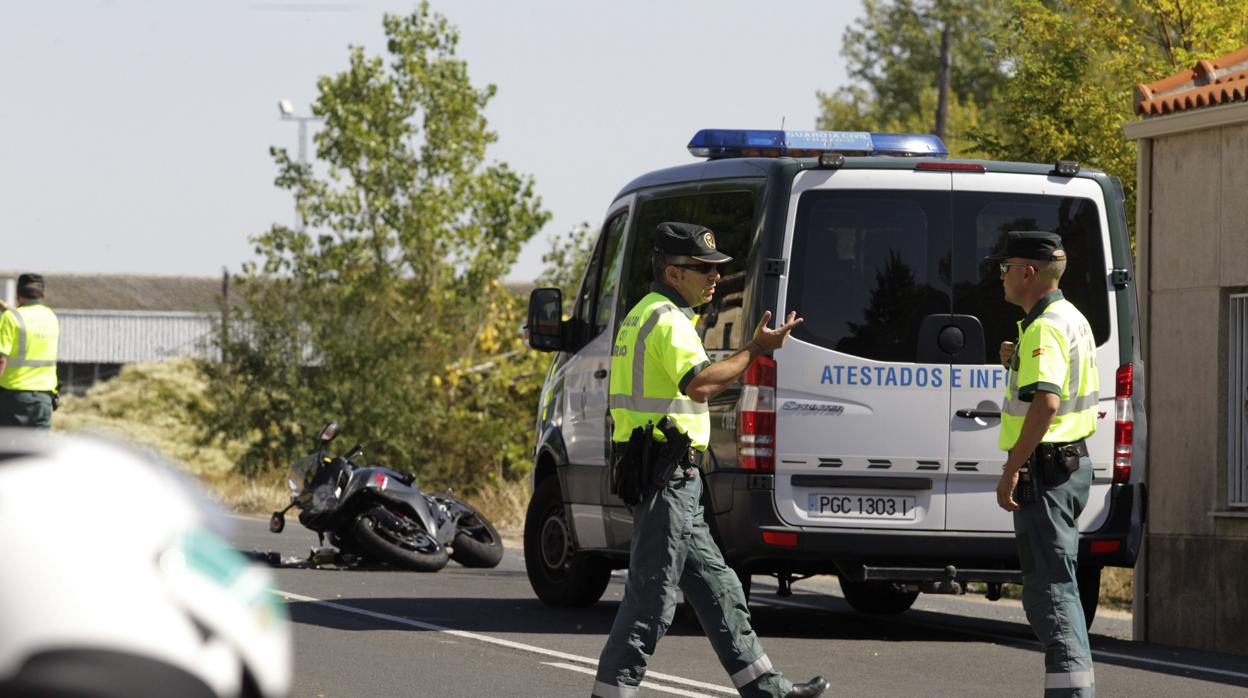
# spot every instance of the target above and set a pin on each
(560, 575)
(877, 597)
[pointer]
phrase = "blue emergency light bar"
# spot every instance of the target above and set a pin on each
(731, 143)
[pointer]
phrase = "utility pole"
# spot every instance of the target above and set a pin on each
(288, 114)
(942, 104)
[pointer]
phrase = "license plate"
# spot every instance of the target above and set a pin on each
(861, 506)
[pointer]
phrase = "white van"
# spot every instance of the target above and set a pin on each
(866, 447)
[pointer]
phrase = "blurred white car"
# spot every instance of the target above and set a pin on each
(118, 580)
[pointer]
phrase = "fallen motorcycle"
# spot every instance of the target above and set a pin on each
(378, 514)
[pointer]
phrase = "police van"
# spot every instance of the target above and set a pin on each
(865, 447)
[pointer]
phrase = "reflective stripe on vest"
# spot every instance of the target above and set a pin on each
(636, 400)
(1076, 403)
(1068, 369)
(19, 360)
(1017, 408)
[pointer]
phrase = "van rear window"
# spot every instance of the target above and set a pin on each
(981, 221)
(868, 266)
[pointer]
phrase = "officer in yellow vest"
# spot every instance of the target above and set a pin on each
(29, 337)
(660, 369)
(1049, 410)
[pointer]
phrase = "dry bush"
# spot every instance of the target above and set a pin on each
(156, 405)
(1117, 587)
(504, 503)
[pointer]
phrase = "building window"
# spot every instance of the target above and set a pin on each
(1237, 403)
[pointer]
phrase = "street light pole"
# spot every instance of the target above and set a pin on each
(288, 114)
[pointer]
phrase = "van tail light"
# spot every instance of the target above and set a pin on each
(783, 539)
(1106, 546)
(756, 417)
(1124, 424)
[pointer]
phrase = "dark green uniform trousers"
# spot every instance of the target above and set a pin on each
(1047, 533)
(25, 408)
(672, 545)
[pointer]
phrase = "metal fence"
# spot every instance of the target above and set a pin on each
(1237, 403)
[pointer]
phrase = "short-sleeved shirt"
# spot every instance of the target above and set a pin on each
(1055, 353)
(657, 352)
(29, 339)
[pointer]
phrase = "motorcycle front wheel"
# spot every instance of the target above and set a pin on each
(476, 543)
(411, 549)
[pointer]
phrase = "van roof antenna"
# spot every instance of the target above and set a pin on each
(782, 123)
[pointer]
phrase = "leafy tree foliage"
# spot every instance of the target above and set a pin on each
(1073, 66)
(565, 261)
(893, 56)
(1032, 80)
(388, 313)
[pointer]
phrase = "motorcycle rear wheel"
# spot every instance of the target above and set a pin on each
(403, 550)
(476, 543)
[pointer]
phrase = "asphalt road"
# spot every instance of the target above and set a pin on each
(463, 632)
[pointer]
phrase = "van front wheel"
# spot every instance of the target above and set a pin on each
(560, 575)
(877, 597)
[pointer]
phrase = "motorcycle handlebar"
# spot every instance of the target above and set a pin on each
(355, 451)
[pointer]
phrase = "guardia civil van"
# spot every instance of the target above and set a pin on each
(866, 447)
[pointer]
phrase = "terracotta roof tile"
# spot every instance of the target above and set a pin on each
(1209, 83)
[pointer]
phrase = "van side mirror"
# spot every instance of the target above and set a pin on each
(545, 327)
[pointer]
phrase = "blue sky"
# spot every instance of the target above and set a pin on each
(137, 132)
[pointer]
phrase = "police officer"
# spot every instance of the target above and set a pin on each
(660, 369)
(29, 335)
(1049, 410)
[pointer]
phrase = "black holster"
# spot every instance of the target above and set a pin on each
(641, 466)
(1053, 464)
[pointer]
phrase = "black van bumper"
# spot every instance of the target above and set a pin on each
(744, 510)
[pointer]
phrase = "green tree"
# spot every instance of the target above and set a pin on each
(1073, 66)
(388, 313)
(893, 57)
(565, 260)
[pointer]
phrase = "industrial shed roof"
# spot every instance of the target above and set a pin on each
(129, 292)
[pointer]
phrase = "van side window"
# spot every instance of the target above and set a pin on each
(867, 267)
(612, 249)
(732, 215)
(592, 312)
(981, 221)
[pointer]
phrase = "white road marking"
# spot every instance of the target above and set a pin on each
(399, 620)
(1031, 643)
(649, 686)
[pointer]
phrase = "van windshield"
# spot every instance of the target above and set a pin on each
(868, 266)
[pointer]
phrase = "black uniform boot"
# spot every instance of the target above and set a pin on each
(810, 689)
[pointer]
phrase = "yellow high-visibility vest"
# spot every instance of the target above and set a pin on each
(1055, 353)
(657, 352)
(29, 339)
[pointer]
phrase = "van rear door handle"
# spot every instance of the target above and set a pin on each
(972, 414)
(600, 373)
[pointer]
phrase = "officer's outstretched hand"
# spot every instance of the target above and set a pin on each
(3, 306)
(770, 340)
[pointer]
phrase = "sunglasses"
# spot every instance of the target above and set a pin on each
(703, 268)
(1005, 267)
